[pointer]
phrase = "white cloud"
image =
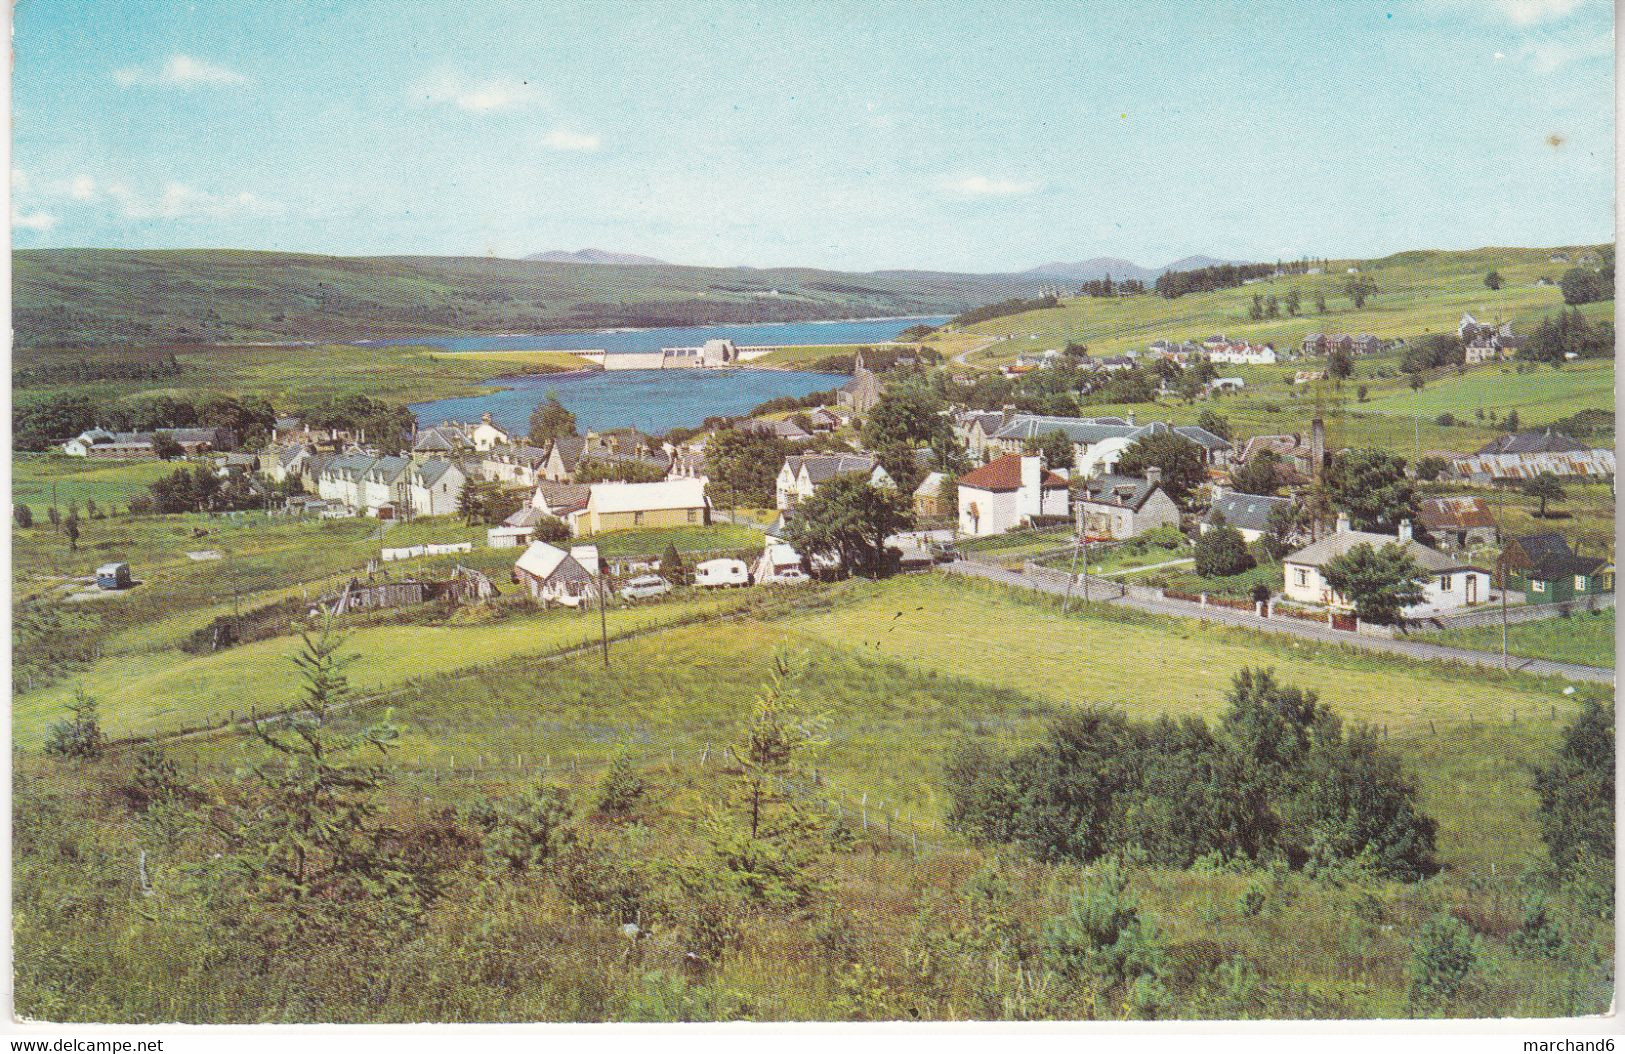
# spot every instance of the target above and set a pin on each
(498, 93)
(178, 71)
(563, 139)
(175, 201)
(988, 187)
(1529, 12)
(32, 221)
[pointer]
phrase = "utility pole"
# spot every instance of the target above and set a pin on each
(1077, 543)
(1503, 615)
(603, 619)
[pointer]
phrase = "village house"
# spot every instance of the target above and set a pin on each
(487, 435)
(824, 419)
(799, 476)
(617, 506)
(689, 463)
(376, 486)
(862, 392)
(1180, 352)
(1326, 343)
(931, 502)
(1007, 493)
(1546, 570)
(1458, 522)
(1294, 456)
(786, 430)
(563, 454)
(1308, 376)
(559, 500)
(518, 466)
(287, 430)
(1451, 581)
(1249, 514)
(100, 443)
(975, 429)
(446, 439)
(1099, 442)
(1121, 507)
(280, 463)
(435, 487)
(557, 576)
(1242, 353)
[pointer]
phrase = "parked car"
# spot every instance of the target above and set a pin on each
(114, 576)
(645, 586)
(789, 576)
(721, 572)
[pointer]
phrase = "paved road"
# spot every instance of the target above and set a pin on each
(1306, 630)
(959, 360)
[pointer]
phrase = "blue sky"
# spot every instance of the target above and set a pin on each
(853, 135)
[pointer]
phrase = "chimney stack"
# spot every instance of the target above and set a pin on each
(1342, 523)
(1153, 476)
(1030, 498)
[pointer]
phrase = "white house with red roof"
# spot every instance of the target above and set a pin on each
(1007, 493)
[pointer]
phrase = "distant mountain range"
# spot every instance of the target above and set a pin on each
(1101, 266)
(1078, 271)
(596, 256)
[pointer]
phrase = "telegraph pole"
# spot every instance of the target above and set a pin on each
(1503, 614)
(1077, 543)
(603, 619)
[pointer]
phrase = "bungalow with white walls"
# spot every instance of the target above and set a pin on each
(1451, 581)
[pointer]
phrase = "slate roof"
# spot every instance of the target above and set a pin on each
(1551, 558)
(1004, 474)
(781, 429)
(1244, 511)
(429, 473)
(1333, 546)
(564, 497)
(1123, 492)
(820, 467)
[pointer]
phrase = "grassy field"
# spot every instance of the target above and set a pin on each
(926, 661)
(903, 671)
(76, 480)
(1586, 637)
(1538, 394)
(1419, 293)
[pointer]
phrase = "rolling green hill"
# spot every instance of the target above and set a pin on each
(1418, 293)
(99, 297)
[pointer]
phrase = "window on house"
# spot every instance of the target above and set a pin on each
(1537, 586)
(1303, 576)
(637, 517)
(1445, 582)
(693, 515)
(1579, 583)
